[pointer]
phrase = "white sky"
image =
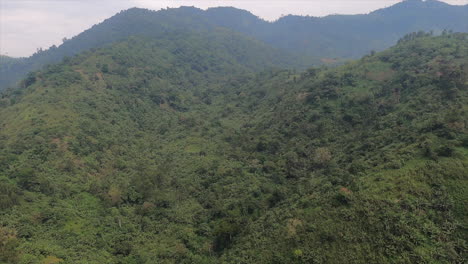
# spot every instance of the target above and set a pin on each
(26, 25)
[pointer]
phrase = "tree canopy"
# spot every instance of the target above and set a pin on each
(182, 150)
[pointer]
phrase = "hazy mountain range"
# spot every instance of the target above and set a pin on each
(314, 40)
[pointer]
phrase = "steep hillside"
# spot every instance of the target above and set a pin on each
(374, 155)
(158, 151)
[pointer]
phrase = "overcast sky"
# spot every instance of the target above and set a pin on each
(26, 25)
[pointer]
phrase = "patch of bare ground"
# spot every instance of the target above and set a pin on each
(380, 75)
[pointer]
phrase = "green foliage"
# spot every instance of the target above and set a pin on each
(9, 194)
(178, 150)
(8, 246)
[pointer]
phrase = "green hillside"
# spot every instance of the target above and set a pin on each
(180, 150)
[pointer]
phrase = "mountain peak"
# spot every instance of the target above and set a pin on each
(409, 6)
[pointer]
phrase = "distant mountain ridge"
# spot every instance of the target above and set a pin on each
(131, 22)
(309, 38)
(347, 36)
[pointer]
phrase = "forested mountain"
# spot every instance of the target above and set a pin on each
(305, 40)
(346, 36)
(180, 150)
(6, 59)
(8, 65)
(145, 23)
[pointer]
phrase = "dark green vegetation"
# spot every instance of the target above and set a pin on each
(179, 150)
(306, 40)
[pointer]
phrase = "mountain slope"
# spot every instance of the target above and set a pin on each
(142, 23)
(119, 124)
(304, 41)
(376, 155)
(163, 151)
(346, 36)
